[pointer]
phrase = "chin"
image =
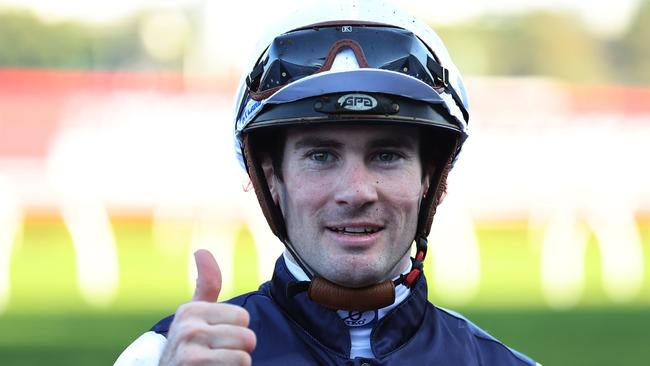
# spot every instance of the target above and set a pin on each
(353, 278)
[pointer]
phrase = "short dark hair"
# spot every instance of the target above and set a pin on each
(270, 143)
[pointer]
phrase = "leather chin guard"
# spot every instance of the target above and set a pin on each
(336, 297)
(377, 296)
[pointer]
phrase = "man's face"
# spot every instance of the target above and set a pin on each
(350, 197)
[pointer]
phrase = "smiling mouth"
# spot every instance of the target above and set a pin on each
(355, 230)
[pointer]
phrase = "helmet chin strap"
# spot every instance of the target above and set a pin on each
(337, 297)
(297, 259)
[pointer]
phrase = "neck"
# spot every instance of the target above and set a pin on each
(338, 297)
(404, 266)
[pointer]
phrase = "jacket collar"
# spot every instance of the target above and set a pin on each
(325, 325)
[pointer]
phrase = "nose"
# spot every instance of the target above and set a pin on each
(357, 186)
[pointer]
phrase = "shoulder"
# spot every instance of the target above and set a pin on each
(252, 299)
(490, 350)
(260, 306)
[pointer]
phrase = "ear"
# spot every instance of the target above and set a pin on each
(426, 183)
(271, 179)
(426, 179)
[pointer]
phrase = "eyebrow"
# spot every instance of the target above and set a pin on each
(312, 141)
(393, 142)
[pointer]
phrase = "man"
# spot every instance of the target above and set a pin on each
(347, 123)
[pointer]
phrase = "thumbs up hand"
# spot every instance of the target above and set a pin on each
(208, 279)
(205, 332)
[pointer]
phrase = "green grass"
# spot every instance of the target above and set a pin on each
(69, 339)
(589, 337)
(47, 322)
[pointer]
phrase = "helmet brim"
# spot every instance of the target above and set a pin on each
(293, 104)
(360, 80)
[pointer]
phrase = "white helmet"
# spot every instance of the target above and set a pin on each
(363, 62)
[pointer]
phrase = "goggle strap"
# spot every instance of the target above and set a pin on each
(337, 47)
(442, 75)
(341, 23)
(253, 77)
(261, 95)
(440, 72)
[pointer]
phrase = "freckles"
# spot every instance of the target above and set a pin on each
(400, 190)
(318, 187)
(311, 192)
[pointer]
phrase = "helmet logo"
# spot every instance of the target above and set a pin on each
(357, 102)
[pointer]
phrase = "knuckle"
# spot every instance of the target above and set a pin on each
(232, 314)
(226, 336)
(244, 359)
(241, 316)
(246, 318)
(183, 311)
(252, 340)
(189, 331)
(233, 357)
(245, 338)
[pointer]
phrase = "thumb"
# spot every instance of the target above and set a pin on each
(208, 280)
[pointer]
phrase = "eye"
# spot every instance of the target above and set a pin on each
(387, 156)
(320, 156)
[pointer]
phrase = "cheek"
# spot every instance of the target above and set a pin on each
(307, 194)
(406, 190)
(407, 201)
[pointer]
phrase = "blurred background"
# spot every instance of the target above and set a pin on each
(116, 162)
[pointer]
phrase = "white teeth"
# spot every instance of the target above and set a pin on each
(355, 230)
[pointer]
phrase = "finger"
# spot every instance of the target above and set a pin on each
(212, 313)
(208, 280)
(231, 357)
(193, 354)
(229, 337)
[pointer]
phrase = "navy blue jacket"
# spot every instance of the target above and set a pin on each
(297, 331)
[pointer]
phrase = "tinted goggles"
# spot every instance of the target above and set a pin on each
(300, 53)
